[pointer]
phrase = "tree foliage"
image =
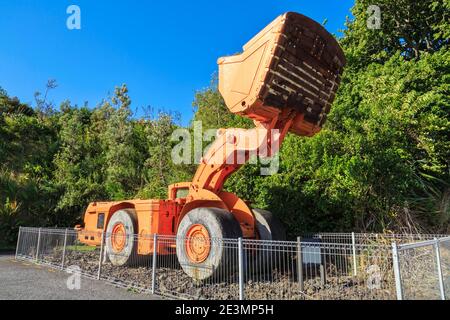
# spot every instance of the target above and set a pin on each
(409, 27)
(381, 163)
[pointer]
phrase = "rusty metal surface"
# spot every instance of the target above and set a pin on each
(306, 70)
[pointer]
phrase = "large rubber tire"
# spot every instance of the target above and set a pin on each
(127, 255)
(268, 257)
(222, 258)
(269, 226)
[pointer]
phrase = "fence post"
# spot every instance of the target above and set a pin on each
(355, 269)
(155, 256)
(397, 274)
(300, 264)
(241, 269)
(439, 269)
(64, 250)
(38, 245)
(105, 250)
(100, 259)
(323, 262)
(18, 242)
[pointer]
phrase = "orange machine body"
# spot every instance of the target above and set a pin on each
(285, 80)
(153, 216)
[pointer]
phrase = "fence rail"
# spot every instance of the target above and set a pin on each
(319, 267)
(377, 238)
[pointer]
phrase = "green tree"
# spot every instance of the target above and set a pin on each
(27, 145)
(410, 27)
(123, 162)
(160, 170)
(78, 173)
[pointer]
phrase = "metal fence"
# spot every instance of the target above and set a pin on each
(372, 238)
(423, 270)
(313, 268)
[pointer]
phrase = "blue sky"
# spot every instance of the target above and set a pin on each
(163, 50)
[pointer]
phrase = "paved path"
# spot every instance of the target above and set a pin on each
(24, 281)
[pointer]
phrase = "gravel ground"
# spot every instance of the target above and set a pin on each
(24, 281)
(174, 282)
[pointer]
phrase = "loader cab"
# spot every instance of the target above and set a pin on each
(179, 191)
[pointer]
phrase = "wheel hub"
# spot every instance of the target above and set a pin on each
(118, 237)
(198, 243)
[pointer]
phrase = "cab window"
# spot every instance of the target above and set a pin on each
(101, 221)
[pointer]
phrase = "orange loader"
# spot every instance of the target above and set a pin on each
(285, 80)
